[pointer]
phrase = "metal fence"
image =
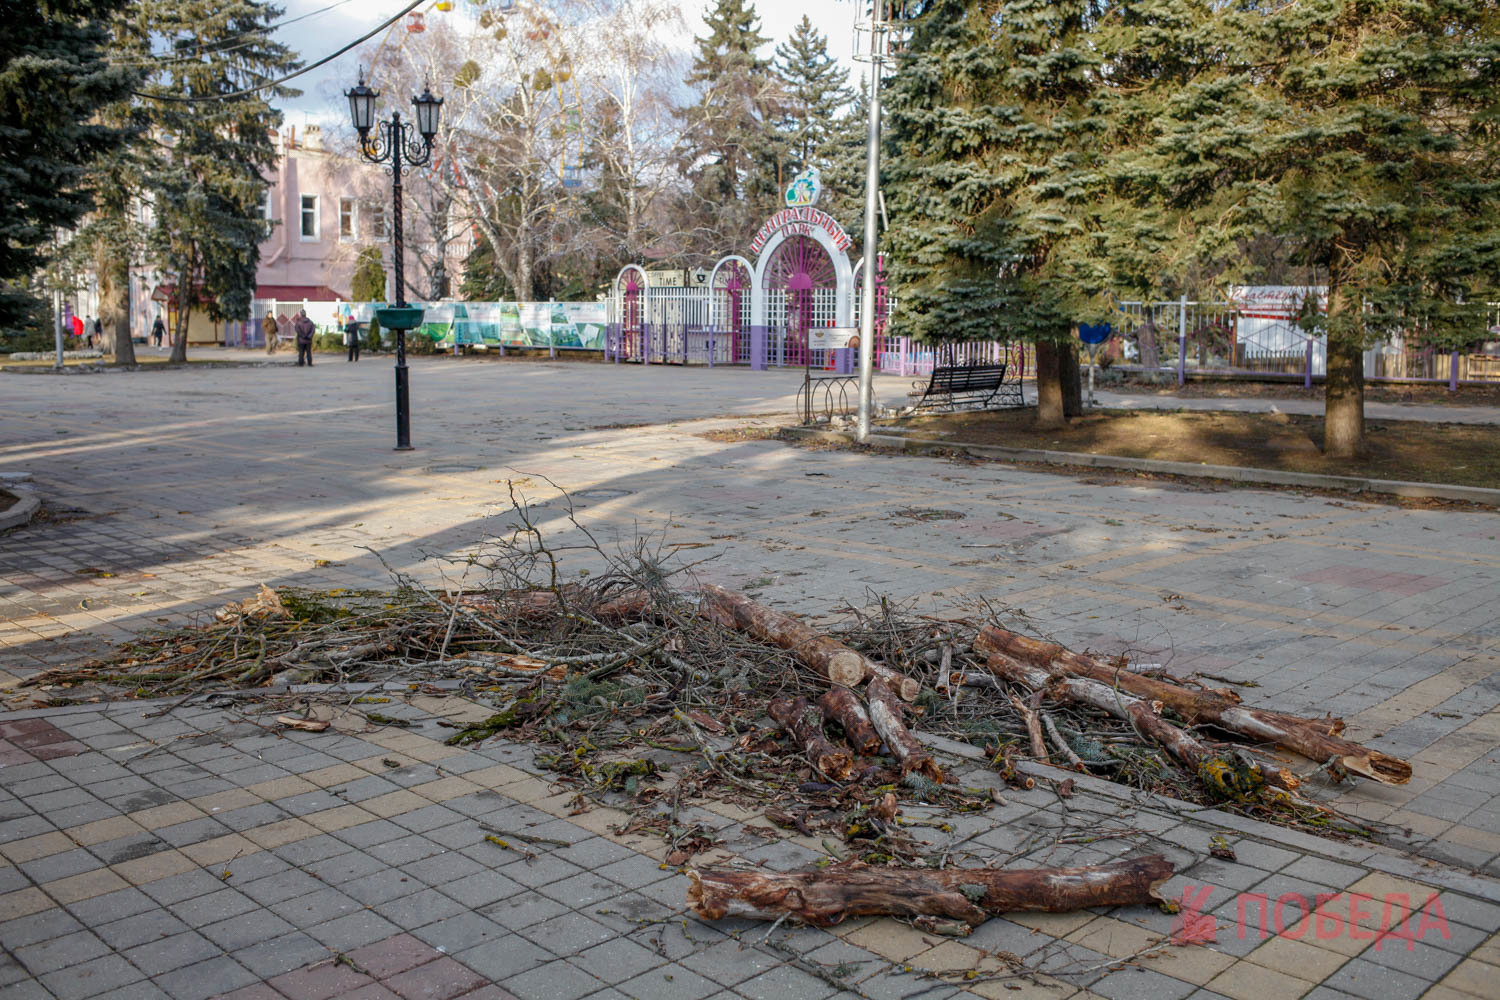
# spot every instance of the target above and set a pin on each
(1185, 338)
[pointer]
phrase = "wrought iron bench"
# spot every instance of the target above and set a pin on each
(953, 386)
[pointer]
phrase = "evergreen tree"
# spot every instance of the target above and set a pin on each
(731, 152)
(994, 138)
(844, 175)
(54, 80)
(368, 281)
(815, 92)
(1365, 133)
(218, 149)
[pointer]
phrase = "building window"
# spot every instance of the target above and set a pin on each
(348, 220)
(379, 230)
(310, 229)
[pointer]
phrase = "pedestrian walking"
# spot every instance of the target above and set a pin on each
(304, 329)
(272, 333)
(98, 335)
(158, 331)
(351, 338)
(78, 328)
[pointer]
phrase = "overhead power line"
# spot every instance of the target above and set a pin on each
(240, 41)
(290, 76)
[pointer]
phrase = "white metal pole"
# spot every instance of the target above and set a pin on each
(872, 234)
(57, 325)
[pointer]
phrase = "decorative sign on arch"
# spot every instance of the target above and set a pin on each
(801, 222)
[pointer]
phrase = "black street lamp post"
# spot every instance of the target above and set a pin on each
(393, 142)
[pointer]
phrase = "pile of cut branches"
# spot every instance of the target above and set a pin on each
(649, 695)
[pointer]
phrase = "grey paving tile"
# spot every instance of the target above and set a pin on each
(557, 980)
(784, 982)
(316, 907)
(139, 928)
(503, 959)
(420, 908)
(60, 952)
(1366, 979)
(461, 932)
(568, 933)
(616, 960)
(211, 978)
(37, 927)
(268, 959)
(106, 975)
(161, 955)
(245, 929)
(353, 931)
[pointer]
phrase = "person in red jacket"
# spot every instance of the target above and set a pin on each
(78, 327)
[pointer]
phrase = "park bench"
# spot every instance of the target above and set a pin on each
(951, 387)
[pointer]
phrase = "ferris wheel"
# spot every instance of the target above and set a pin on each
(555, 78)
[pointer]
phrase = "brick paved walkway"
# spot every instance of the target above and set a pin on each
(172, 492)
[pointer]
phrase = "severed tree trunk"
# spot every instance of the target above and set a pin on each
(830, 896)
(840, 705)
(829, 657)
(1316, 739)
(804, 723)
(886, 714)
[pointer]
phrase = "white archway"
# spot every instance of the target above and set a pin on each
(713, 283)
(843, 272)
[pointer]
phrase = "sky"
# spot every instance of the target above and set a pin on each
(326, 31)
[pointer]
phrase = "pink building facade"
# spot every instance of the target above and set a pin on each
(326, 208)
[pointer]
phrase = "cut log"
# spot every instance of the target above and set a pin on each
(805, 725)
(1231, 778)
(626, 605)
(829, 657)
(1316, 739)
(887, 715)
(1033, 729)
(840, 705)
(830, 896)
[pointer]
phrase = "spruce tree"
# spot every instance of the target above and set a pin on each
(994, 138)
(368, 281)
(1363, 132)
(815, 92)
(731, 150)
(54, 80)
(218, 149)
(844, 174)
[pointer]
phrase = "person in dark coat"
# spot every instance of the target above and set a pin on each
(304, 329)
(351, 337)
(97, 340)
(158, 330)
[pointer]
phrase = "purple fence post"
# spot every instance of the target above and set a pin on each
(759, 348)
(1307, 375)
(905, 354)
(843, 361)
(1453, 371)
(710, 347)
(645, 343)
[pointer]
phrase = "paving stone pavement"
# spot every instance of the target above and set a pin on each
(169, 493)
